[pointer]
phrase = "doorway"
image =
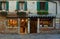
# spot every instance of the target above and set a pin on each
(33, 25)
(23, 25)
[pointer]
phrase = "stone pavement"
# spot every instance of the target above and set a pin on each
(30, 36)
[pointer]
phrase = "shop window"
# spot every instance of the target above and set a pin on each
(12, 23)
(46, 22)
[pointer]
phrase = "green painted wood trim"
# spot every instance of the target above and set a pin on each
(4, 13)
(25, 6)
(21, 13)
(42, 13)
(38, 6)
(7, 5)
(0, 5)
(17, 5)
(46, 6)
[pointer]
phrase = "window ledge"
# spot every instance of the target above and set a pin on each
(3, 11)
(12, 27)
(43, 11)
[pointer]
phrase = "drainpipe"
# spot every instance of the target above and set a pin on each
(56, 8)
(56, 15)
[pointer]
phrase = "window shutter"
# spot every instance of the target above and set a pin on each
(38, 6)
(7, 5)
(0, 5)
(25, 6)
(17, 6)
(46, 5)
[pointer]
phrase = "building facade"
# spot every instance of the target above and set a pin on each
(24, 17)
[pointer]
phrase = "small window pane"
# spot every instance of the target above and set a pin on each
(21, 6)
(3, 6)
(42, 5)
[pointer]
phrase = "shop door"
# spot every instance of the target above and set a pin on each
(33, 25)
(23, 25)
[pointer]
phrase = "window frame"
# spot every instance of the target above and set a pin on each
(11, 26)
(20, 7)
(44, 20)
(3, 6)
(42, 5)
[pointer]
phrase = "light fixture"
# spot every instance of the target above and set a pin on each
(13, 22)
(10, 20)
(22, 20)
(26, 20)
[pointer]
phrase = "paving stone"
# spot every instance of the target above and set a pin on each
(30, 36)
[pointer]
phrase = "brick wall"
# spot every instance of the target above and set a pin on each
(2, 24)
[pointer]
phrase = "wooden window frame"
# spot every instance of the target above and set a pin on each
(11, 26)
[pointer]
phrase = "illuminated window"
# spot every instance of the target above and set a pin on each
(12, 23)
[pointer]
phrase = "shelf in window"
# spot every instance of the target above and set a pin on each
(12, 27)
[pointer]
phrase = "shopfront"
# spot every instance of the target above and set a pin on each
(28, 25)
(23, 25)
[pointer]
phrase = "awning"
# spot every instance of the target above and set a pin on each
(31, 15)
(41, 16)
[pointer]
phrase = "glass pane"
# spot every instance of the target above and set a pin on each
(3, 6)
(46, 22)
(23, 25)
(21, 6)
(12, 23)
(42, 5)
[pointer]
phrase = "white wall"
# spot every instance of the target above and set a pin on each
(58, 16)
(32, 6)
(52, 7)
(12, 6)
(57, 23)
(58, 9)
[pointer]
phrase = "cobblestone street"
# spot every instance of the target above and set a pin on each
(30, 36)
